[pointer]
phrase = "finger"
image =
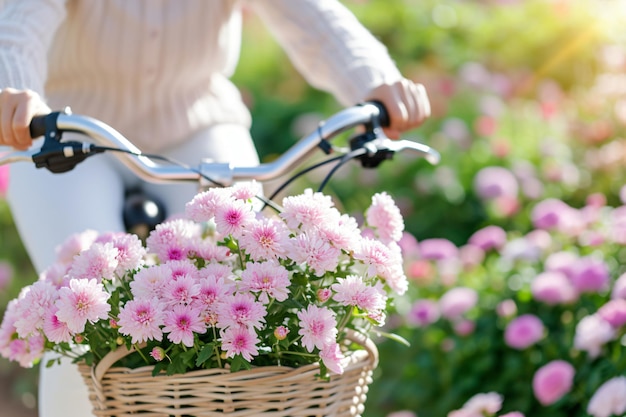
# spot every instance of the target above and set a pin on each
(423, 102)
(418, 104)
(6, 120)
(396, 107)
(24, 112)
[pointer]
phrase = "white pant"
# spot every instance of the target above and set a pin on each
(47, 208)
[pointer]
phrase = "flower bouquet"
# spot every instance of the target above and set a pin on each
(223, 298)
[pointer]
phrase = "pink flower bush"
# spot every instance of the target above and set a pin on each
(457, 301)
(229, 285)
(552, 381)
(540, 316)
(524, 331)
(609, 399)
(493, 182)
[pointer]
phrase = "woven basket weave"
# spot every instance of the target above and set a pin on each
(264, 391)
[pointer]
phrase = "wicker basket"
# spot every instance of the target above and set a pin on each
(264, 391)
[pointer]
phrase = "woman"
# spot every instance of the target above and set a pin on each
(158, 71)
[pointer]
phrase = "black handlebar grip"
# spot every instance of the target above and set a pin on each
(37, 126)
(383, 117)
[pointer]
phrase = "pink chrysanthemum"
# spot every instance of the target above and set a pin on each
(32, 305)
(170, 240)
(240, 341)
(55, 330)
(318, 327)
(56, 274)
(150, 282)
(241, 310)
(182, 291)
(130, 251)
(315, 252)
(383, 261)
(342, 232)
(182, 268)
(7, 327)
(247, 190)
(269, 279)
(181, 323)
(142, 319)
(216, 270)
(208, 250)
(332, 357)
(98, 262)
(265, 239)
(74, 245)
(27, 351)
(232, 218)
(385, 217)
(203, 206)
(84, 300)
(306, 211)
(212, 289)
(352, 291)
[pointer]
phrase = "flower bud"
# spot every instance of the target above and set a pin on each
(323, 294)
(157, 353)
(281, 332)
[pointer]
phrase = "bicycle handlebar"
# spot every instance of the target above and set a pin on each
(58, 156)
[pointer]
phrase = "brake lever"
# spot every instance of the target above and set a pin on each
(428, 153)
(54, 155)
(380, 148)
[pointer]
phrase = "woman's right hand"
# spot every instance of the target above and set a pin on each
(17, 108)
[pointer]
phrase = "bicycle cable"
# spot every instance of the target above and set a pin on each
(266, 202)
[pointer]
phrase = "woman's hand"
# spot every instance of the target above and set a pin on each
(406, 102)
(17, 108)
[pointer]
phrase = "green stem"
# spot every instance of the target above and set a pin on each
(141, 354)
(217, 350)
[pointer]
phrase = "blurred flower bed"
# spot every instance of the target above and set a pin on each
(515, 248)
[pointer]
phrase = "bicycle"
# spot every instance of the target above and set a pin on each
(370, 147)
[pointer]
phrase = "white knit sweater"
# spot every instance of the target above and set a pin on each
(159, 70)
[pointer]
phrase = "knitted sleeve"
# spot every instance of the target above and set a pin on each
(328, 46)
(26, 31)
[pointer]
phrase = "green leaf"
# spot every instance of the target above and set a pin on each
(394, 337)
(158, 367)
(205, 353)
(239, 363)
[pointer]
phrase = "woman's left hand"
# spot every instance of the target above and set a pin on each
(406, 102)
